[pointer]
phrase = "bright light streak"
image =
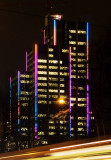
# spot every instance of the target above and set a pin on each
(84, 151)
(83, 144)
(44, 36)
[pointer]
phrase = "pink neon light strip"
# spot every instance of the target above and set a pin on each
(70, 86)
(10, 99)
(55, 36)
(87, 78)
(26, 61)
(36, 77)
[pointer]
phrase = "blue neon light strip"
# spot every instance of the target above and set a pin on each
(87, 78)
(36, 77)
(55, 30)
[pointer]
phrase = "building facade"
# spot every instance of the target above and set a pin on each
(56, 70)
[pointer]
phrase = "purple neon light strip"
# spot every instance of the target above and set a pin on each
(70, 86)
(10, 97)
(36, 77)
(87, 78)
(18, 99)
(26, 61)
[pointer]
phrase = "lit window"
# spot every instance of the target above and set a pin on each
(70, 36)
(74, 48)
(24, 129)
(42, 84)
(80, 88)
(42, 72)
(51, 122)
(24, 117)
(41, 115)
(42, 67)
(42, 96)
(41, 133)
(42, 78)
(81, 118)
(62, 91)
(42, 90)
(73, 76)
(24, 104)
(72, 31)
(72, 129)
(51, 49)
(73, 54)
(53, 79)
(53, 96)
(82, 71)
(81, 60)
(53, 61)
(72, 42)
(44, 142)
(53, 67)
(81, 65)
(24, 98)
(51, 133)
(53, 73)
(51, 127)
(81, 32)
(81, 43)
(81, 105)
(73, 99)
(81, 123)
(63, 68)
(61, 79)
(81, 54)
(73, 59)
(65, 51)
(61, 85)
(81, 129)
(53, 90)
(42, 61)
(60, 62)
(42, 102)
(53, 85)
(63, 73)
(51, 55)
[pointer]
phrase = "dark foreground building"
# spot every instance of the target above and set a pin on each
(50, 100)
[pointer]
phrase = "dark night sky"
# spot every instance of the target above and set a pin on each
(21, 23)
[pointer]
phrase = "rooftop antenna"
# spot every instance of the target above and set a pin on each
(50, 7)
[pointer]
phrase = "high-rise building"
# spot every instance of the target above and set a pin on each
(56, 71)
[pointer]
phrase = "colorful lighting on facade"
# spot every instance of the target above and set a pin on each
(87, 78)
(18, 100)
(26, 61)
(70, 86)
(36, 77)
(55, 32)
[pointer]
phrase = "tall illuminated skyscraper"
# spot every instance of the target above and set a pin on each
(57, 69)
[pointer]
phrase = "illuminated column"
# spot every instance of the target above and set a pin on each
(44, 36)
(87, 78)
(26, 61)
(70, 86)
(10, 98)
(55, 32)
(36, 77)
(18, 100)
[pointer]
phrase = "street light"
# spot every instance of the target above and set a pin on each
(61, 101)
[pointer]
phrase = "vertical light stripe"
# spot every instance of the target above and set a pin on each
(36, 77)
(10, 99)
(18, 100)
(55, 32)
(87, 78)
(26, 61)
(70, 86)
